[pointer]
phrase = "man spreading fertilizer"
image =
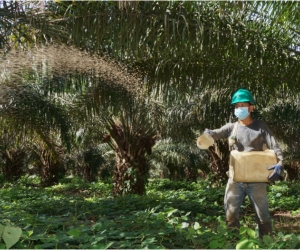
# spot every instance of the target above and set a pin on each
(248, 135)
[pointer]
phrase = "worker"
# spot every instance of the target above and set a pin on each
(250, 135)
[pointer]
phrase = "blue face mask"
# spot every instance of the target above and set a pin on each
(241, 112)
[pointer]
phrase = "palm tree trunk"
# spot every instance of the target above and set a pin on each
(50, 169)
(14, 162)
(130, 176)
(87, 173)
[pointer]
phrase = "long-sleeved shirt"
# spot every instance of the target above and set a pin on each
(250, 138)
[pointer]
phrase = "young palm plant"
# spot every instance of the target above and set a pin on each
(90, 157)
(130, 132)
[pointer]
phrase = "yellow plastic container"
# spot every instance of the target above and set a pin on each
(251, 166)
(205, 141)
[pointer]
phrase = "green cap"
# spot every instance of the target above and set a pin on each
(242, 95)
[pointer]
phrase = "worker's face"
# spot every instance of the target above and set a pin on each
(244, 104)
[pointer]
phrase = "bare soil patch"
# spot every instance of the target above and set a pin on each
(286, 222)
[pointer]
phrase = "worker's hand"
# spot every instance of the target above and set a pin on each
(278, 170)
(208, 131)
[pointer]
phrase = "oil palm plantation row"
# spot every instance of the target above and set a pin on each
(197, 53)
(178, 64)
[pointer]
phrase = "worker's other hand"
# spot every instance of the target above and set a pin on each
(278, 170)
(208, 131)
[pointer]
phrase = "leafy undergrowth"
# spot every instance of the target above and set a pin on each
(75, 214)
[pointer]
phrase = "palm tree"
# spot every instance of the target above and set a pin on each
(190, 46)
(188, 52)
(193, 44)
(14, 154)
(195, 47)
(25, 24)
(108, 99)
(37, 125)
(283, 119)
(131, 134)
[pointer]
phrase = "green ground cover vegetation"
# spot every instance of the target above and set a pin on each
(78, 215)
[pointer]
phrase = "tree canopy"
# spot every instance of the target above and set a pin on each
(128, 73)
